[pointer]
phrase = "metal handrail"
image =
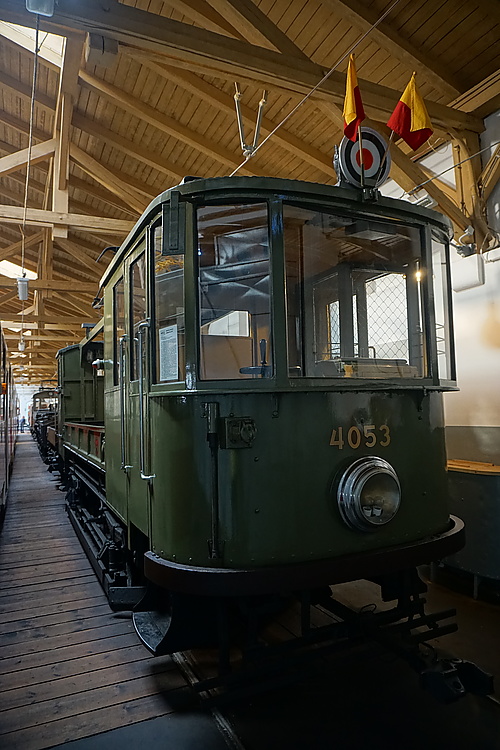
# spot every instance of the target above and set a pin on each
(140, 330)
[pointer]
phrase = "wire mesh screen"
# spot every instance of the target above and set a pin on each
(387, 316)
(333, 347)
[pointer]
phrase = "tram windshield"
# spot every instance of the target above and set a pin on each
(235, 295)
(356, 297)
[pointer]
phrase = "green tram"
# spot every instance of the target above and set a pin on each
(274, 357)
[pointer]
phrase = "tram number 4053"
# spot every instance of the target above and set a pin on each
(369, 436)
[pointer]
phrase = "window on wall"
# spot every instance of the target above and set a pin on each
(169, 312)
(138, 309)
(118, 326)
(234, 288)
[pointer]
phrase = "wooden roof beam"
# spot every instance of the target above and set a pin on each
(50, 284)
(52, 322)
(432, 70)
(72, 303)
(24, 91)
(39, 217)
(79, 255)
(483, 99)
(231, 56)
(205, 15)
(255, 27)
(108, 179)
(34, 239)
(21, 126)
(211, 94)
(19, 159)
(490, 175)
(164, 123)
(298, 77)
(95, 129)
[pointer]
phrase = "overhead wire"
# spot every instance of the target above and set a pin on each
(315, 88)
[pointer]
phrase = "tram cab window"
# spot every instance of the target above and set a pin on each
(169, 312)
(138, 310)
(234, 289)
(354, 297)
(441, 306)
(118, 326)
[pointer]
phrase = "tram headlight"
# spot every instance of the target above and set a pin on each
(368, 494)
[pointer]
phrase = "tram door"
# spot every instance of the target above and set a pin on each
(135, 419)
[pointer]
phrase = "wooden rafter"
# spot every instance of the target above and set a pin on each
(154, 160)
(255, 26)
(39, 217)
(490, 175)
(50, 284)
(164, 123)
(229, 56)
(214, 96)
(108, 179)
(432, 70)
(19, 159)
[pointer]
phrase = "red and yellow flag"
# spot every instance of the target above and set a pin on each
(410, 119)
(354, 113)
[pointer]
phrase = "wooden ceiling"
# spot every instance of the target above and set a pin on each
(143, 95)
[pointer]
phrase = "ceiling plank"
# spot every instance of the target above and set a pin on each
(184, 42)
(93, 128)
(79, 255)
(30, 241)
(255, 26)
(299, 77)
(163, 122)
(77, 221)
(22, 90)
(482, 99)
(22, 126)
(205, 15)
(432, 70)
(211, 94)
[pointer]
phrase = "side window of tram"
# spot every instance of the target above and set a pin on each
(234, 288)
(169, 312)
(137, 309)
(118, 326)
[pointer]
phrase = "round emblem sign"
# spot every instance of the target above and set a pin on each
(376, 162)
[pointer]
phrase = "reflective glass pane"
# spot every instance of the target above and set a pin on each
(234, 287)
(169, 313)
(354, 305)
(441, 306)
(118, 326)
(138, 309)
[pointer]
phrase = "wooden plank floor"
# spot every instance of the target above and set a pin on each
(69, 667)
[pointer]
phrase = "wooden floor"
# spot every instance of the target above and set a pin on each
(69, 667)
